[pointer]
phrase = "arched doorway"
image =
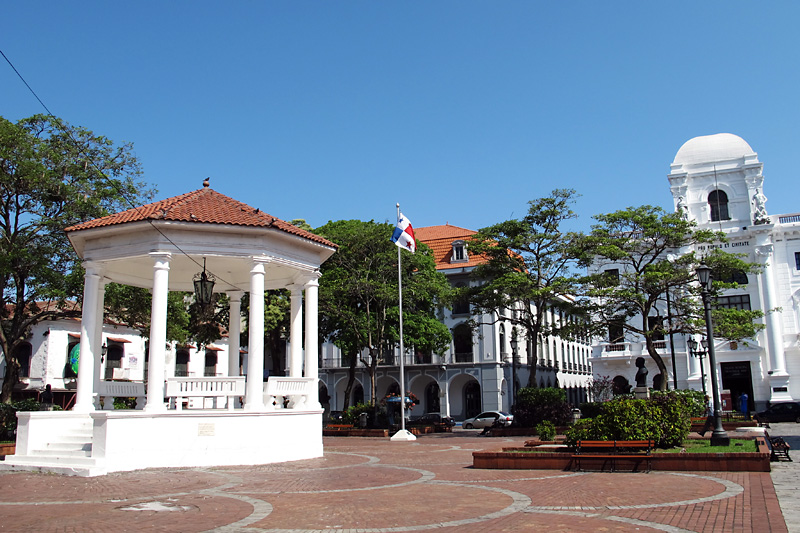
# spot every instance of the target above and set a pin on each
(358, 394)
(432, 404)
(620, 385)
(472, 399)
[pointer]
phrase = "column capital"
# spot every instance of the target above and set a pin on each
(93, 268)
(763, 251)
(235, 296)
(313, 279)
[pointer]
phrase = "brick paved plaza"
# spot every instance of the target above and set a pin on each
(375, 485)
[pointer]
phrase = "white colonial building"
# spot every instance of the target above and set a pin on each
(717, 181)
(475, 374)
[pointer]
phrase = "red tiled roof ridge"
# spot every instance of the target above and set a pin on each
(201, 206)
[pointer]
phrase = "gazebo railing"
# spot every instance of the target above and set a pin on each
(228, 387)
(121, 389)
(287, 392)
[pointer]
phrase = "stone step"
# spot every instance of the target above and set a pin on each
(50, 452)
(73, 466)
(70, 446)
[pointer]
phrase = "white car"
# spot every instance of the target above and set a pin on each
(487, 419)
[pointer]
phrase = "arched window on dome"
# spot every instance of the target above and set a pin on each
(718, 201)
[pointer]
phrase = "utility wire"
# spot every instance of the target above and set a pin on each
(60, 124)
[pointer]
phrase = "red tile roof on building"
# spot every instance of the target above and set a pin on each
(440, 240)
(203, 206)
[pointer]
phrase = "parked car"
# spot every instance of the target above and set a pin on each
(781, 412)
(433, 418)
(487, 419)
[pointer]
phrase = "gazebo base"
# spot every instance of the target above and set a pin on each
(100, 442)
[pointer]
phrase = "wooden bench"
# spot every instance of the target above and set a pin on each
(778, 448)
(613, 450)
(339, 427)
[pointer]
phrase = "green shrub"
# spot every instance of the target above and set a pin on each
(351, 416)
(546, 430)
(535, 405)
(665, 418)
(591, 409)
(8, 415)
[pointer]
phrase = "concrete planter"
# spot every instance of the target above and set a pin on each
(7, 449)
(355, 432)
(680, 462)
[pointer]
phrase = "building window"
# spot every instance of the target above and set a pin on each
(656, 325)
(23, 356)
(113, 360)
(718, 202)
(797, 260)
(612, 275)
(211, 364)
(459, 252)
(461, 305)
(741, 302)
(616, 333)
(73, 355)
(462, 343)
(182, 364)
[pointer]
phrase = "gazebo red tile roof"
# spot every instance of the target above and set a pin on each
(203, 206)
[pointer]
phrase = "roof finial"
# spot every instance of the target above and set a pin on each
(206, 182)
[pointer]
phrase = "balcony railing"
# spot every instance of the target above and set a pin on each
(463, 357)
(788, 219)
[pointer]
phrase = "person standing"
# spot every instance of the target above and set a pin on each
(47, 398)
(744, 405)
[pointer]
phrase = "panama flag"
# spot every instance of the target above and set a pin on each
(403, 235)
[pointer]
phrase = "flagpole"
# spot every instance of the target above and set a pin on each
(402, 434)
(402, 349)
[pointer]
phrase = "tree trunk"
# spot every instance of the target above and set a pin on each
(351, 379)
(10, 379)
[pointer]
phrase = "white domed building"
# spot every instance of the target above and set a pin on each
(717, 181)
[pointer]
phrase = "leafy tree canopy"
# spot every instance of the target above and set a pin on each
(529, 268)
(52, 176)
(642, 261)
(359, 296)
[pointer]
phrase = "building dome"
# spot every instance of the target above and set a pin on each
(711, 149)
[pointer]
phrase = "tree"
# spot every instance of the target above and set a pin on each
(359, 297)
(51, 176)
(641, 256)
(529, 268)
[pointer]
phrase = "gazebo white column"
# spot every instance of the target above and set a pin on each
(254, 390)
(296, 332)
(84, 402)
(158, 333)
(234, 332)
(312, 340)
(98, 342)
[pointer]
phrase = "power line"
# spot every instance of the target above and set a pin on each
(59, 124)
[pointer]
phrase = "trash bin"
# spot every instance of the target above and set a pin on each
(576, 415)
(362, 420)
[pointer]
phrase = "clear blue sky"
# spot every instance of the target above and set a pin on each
(461, 111)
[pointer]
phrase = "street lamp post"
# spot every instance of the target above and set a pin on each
(514, 344)
(699, 353)
(718, 437)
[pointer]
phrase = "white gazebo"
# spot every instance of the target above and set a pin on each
(163, 246)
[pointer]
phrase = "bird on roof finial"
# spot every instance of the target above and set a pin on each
(206, 182)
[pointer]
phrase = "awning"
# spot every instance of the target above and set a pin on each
(117, 339)
(213, 349)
